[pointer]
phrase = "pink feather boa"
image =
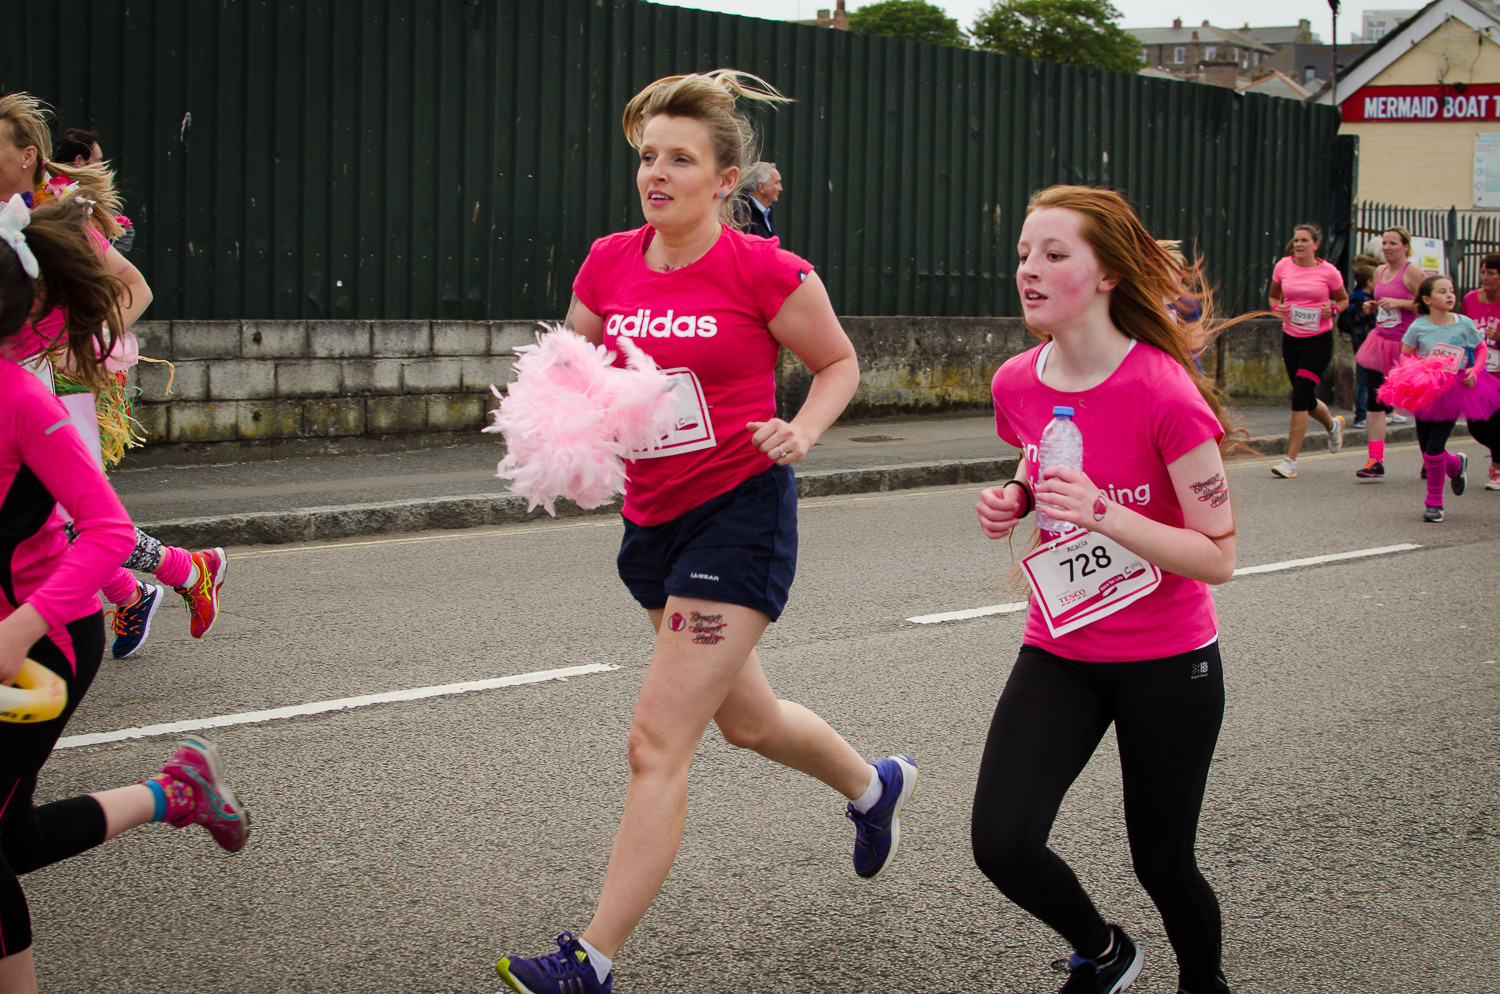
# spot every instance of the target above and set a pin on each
(572, 418)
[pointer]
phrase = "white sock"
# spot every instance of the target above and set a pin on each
(871, 796)
(192, 578)
(600, 962)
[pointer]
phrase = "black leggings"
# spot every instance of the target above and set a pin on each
(1432, 436)
(1486, 432)
(1306, 359)
(1049, 721)
(32, 837)
(1374, 380)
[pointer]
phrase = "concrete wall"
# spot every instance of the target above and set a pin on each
(267, 389)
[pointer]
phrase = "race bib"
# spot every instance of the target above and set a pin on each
(1386, 318)
(1456, 355)
(692, 429)
(1083, 577)
(1306, 318)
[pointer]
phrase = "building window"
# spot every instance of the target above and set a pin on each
(1234, 54)
(1210, 52)
(1179, 55)
(1309, 74)
(1145, 55)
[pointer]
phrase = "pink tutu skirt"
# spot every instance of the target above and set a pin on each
(1378, 352)
(1427, 388)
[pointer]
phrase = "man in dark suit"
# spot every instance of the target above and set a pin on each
(753, 208)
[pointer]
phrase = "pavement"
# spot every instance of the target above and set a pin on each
(320, 498)
(1349, 827)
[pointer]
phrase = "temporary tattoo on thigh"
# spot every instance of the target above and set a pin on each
(707, 629)
(1215, 490)
(677, 623)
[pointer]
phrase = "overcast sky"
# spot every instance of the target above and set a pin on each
(1138, 13)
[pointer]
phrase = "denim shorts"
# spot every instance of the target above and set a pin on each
(737, 548)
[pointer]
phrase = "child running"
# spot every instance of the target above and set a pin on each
(1473, 393)
(49, 613)
(710, 540)
(1091, 282)
(1308, 293)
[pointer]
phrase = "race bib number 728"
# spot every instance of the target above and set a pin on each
(1083, 577)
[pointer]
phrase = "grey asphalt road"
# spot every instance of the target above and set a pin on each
(1350, 826)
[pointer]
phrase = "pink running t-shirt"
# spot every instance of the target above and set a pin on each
(709, 322)
(1306, 288)
(1487, 317)
(1146, 415)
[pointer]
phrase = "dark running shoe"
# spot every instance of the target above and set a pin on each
(1373, 469)
(1432, 515)
(567, 971)
(1085, 976)
(1460, 483)
(1219, 986)
(132, 622)
(877, 834)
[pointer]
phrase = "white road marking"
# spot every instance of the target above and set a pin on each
(981, 612)
(1384, 550)
(343, 703)
(973, 612)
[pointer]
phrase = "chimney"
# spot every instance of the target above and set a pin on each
(1205, 22)
(1177, 23)
(841, 18)
(1195, 36)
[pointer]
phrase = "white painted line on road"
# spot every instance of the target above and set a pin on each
(973, 612)
(983, 612)
(343, 703)
(1384, 550)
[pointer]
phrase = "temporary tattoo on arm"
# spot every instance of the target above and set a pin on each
(1215, 490)
(707, 629)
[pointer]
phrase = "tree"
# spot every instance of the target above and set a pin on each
(1074, 32)
(912, 19)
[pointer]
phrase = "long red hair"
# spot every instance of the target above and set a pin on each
(1148, 277)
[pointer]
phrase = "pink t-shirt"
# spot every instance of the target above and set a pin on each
(44, 463)
(1144, 416)
(709, 322)
(1486, 316)
(1306, 288)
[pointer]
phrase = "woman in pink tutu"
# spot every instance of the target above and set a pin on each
(1440, 377)
(1394, 305)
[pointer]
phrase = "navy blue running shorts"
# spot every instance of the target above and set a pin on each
(737, 548)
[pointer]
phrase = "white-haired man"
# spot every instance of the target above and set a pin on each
(762, 187)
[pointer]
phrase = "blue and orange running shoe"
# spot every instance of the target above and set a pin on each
(567, 971)
(215, 807)
(877, 834)
(202, 595)
(132, 622)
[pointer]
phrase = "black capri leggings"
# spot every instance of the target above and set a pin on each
(32, 837)
(1306, 360)
(1049, 721)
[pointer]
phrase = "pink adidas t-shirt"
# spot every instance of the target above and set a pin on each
(1146, 415)
(1308, 288)
(707, 324)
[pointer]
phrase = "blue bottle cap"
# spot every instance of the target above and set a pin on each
(1063, 410)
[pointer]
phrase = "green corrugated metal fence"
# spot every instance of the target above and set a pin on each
(455, 158)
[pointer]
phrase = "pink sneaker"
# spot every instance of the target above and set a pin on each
(1494, 481)
(196, 762)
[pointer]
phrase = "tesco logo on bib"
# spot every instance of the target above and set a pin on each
(643, 323)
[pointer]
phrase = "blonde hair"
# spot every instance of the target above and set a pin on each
(27, 117)
(1147, 273)
(1404, 235)
(709, 98)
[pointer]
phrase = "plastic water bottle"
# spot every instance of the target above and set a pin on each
(1062, 445)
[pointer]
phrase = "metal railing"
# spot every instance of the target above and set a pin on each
(1467, 235)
